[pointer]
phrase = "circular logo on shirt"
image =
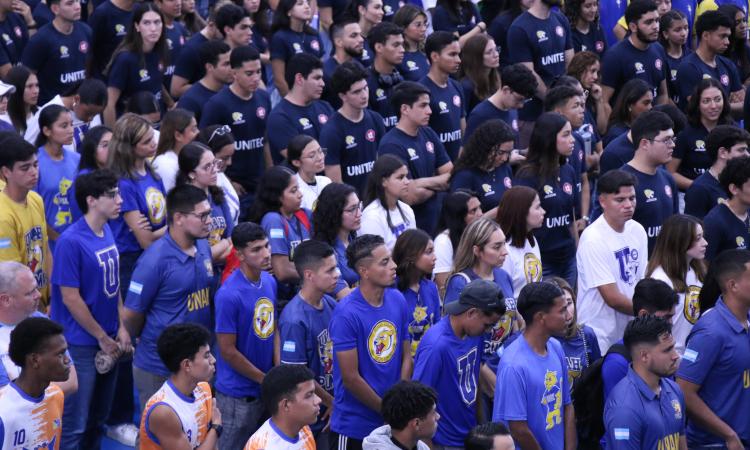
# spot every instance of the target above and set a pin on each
(668, 191)
(263, 324)
(430, 147)
(692, 305)
(182, 40)
(457, 100)
(156, 205)
(83, 46)
(599, 46)
(314, 44)
(161, 67)
(370, 135)
(532, 268)
(260, 112)
(580, 155)
(725, 80)
(657, 64)
(559, 31)
(382, 341)
(568, 188)
(322, 119)
(507, 182)
(17, 30)
(514, 124)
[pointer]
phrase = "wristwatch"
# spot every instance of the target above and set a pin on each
(218, 428)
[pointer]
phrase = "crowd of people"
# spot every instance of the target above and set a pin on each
(375, 224)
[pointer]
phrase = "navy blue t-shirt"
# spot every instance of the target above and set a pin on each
(58, 59)
(498, 30)
(614, 130)
(448, 109)
(247, 119)
(380, 94)
(329, 66)
(703, 195)
(195, 99)
(442, 20)
(390, 7)
(623, 62)
(414, 66)
(594, 41)
(423, 155)
(287, 43)
(672, 64)
(489, 186)
(109, 25)
(616, 154)
(692, 70)
(42, 14)
(130, 76)
(188, 65)
(338, 8)
(724, 231)
(577, 161)
(14, 36)
(353, 146)
(544, 43)
(485, 111)
(656, 200)
(176, 38)
(288, 120)
(691, 150)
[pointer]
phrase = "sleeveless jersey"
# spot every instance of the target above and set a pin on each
(194, 413)
(270, 437)
(27, 422)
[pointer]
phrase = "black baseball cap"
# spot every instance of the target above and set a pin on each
(481, 294)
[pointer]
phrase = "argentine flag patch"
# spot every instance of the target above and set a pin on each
(290, 346)
(277, 233)
(4, 242)
(690, 355)
(622, 434)
(135, 288)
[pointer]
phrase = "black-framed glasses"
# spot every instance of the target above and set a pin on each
(666, 141)
(203, 216)
(353, 210)
(221, 131)
(111, 194)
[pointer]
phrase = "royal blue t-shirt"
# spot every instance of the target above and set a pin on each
(442, 20)
(448, 109)
(542, 42)
(534, 389)
(415, 66)
(485, 111)
(168, 287)
(58, 59)
(378, 335)
(109, 25)
(692, 70)
(284, 235)
(635, 417)
(717, 358)
(489, 186)
(145, 195)
(221, 225)
(247, 310)
(188, 65)
(176, 37)
(130, 76)
(91, 264)
(656, 200)
(724, 231)
(614, 368)
(349, 277)
(594, 41)
(609, 14)
(286, 43)
(15, 36)
(623, 62)
(616, 154)
(288, 120)
(195, 98)
(423, 308)
(423, 155)
(353, 146)
(703, 195)
(55, 179)
(691, 150)
(380, 98)
(581, 351)
(247, 119)
(450, 365)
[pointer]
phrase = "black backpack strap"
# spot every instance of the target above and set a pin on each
(621, 350)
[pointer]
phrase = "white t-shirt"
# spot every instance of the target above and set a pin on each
(374, 221)
(310, 192)
(524, 265)
(688, 309)
(230, 194)
(604, 257)
(443, 253)
(167, 166)
(32, 126)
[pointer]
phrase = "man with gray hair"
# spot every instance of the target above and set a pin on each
(19, 299)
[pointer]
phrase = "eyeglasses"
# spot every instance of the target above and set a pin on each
(112, 194)
(666, 141)
(221, 131)
(353, 210)
(203, 216)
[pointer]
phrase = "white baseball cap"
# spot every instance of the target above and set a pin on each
(6, 89)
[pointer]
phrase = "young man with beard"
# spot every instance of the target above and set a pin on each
(348, 44)
(637, 56)
(647, 409)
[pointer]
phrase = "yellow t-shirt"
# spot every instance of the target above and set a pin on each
(23, 236)
(710, 5)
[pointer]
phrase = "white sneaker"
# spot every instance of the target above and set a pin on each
(125, 434)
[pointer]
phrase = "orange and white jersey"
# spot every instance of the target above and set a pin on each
(28, 422)
(269, 437)
(194, 413)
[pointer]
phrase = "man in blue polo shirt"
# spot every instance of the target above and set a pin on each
(188, 68)
(304, 324)
(301, 111)
(448, 118)
(171, 284)
(450, 354)
(727, 225)
(725, 142)
(647, 408)
(243, 109)
(109, 25)
(517, 84)
(532, 394)
(246, 335)
(713, 29)
(638, 55)
(656, 191)
(214, 57)
(420, 148)
(352, 134)
(715, 370)
(371, 345)
(59, 50)
(387, 41)
(540, 39)
(348, 44)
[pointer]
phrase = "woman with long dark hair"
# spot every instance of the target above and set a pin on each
(385, 214)
(336, 219)
(221, 141)
(480, 77)
(460, 209)
(306, 156)
(138, 63)
(94, 155)
(178, 128)
(548, 173)
(22, 102)
(586, 67)
(414, 22)
(673, 36)
(635, 98)
(414, 255)
(586, 31)
(738, 50)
